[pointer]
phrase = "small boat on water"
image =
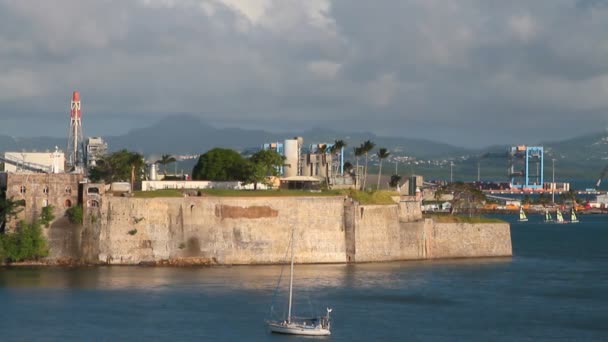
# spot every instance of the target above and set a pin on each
(573, 218)
(522, 215)
(315, 326)
(559, 217)
(548, 217)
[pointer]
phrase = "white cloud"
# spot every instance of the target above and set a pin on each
(455, 63)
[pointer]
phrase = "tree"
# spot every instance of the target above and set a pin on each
(382, 154)
(9, 208)
(220, 164)
(164, 160)
(395, 179)
(358, 151)
(348, 167)
(322, 152)
(46, 216)
(366, 147)
(120, 166)
(335, 152)
(136, 161)
(262, 165)
(467, 197)
(337, 148)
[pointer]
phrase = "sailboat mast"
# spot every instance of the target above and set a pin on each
(291, 278)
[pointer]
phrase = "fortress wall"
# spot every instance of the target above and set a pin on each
(257, 230)
(465, 240)
(377, 233)
(414, 239)
(225, 230)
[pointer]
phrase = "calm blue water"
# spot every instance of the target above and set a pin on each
(555, 288)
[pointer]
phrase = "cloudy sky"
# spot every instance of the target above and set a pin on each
(466, 72)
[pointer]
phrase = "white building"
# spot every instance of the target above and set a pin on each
(51, 162)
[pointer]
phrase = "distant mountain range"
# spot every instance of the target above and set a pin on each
(184, 134)
(583, 156)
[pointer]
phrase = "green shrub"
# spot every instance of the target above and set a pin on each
(46, 216)
(132, 231)
(75, 214)
(26, 243)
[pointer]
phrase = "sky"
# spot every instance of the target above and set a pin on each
(466, 72)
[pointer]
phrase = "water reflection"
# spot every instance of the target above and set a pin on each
(260, 278)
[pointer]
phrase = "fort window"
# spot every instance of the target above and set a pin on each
(68, 203)
(93, 190)
(68, 189)
(45, 190)
(22, 189)
(93, 204)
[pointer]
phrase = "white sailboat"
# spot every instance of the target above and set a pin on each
(316, 326)
(559, 218)
(573, 218)
(522, 215)
(548, 217)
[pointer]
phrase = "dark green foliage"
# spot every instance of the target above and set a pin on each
(9, 209)
(132, 231)
(261, 165)
(26, 243)
(395, 179)
(220, 164)
(46, 217)
(119, 166)
(74, 214)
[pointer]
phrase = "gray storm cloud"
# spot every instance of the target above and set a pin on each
(465, 72)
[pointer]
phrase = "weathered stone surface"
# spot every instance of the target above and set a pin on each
(219, 230)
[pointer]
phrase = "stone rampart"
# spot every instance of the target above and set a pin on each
(257, 230)
(224, 230)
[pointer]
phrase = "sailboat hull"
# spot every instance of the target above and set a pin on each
(297, 329)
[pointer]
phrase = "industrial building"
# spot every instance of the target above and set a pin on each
(306, 167)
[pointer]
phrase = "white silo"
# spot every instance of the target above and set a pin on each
(292, 154)
(153, 171)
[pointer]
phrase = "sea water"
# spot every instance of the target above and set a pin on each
(554, 288)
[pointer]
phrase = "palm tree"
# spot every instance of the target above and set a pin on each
(358, 153)
(336, 148)
(322, 151)
(136, 161)
(367, 147)
(382, 154)
(348, 167)
(164, 160)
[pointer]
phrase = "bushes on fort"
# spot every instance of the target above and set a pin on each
(119, 166)
(26, 243)
(220, 164)
(74, 214)
(46, 217)
(9, 209)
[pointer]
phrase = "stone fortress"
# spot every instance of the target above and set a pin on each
(241, 230)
